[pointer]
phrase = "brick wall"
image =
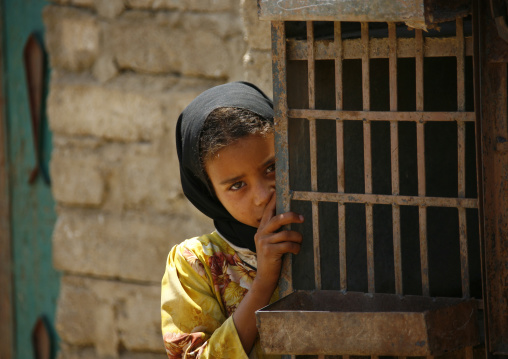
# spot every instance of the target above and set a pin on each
(122, 71)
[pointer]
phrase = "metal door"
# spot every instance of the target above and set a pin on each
(34, 282)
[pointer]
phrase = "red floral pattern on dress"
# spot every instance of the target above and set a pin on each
(178, 345)
(229, 276)
(193, 260)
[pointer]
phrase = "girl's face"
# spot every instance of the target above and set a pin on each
(243, 177)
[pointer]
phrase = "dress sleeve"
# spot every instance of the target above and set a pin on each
(194, 324)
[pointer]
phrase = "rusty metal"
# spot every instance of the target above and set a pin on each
(370, 248)
(365, 49)
(379, 48)
(311, 64)
(384, 199)
(339, 128)
(384, 324)
(281, 138)
(493, 186)
(461, 160)
(496, 48)
(342, 246)
(499, 13)
(365, 66)
(420, 148)
(478, 54)
(341, 10)
(464, 257)
(437, 11)
(418, 116)
(338, 47)
(394, 160)
(315, 244)
(461, 65)
(367, 156)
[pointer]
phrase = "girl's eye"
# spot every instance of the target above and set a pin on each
(236, 186)
(271, 168)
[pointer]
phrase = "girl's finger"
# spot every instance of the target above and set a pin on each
(286, 247)
(280, 220)
(269, 212)
(279, 237)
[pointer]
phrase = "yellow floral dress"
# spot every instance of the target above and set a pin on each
(204, 282)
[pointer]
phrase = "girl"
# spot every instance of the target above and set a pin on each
(214, 283)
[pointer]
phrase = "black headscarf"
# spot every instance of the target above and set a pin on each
(188, 129)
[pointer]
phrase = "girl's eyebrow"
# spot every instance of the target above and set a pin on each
(237, 178)
(232, 180)
(268, 161)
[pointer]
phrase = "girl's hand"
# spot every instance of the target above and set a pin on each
(271, 245)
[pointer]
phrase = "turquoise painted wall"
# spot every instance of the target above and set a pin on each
(36, 283)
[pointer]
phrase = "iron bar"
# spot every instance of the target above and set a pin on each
(461, 153)
(339, 100)
(461, 106)
(370, 247)
(420, 148)
(315, 242)
(461, 160)
(342, 246)
(418, 116)
(394, 149)
(384, 199)
(281, 139)
(464, 261)
(311, 66)
(339, 126)
(424, 257)
(367, 157)
(419, 54)
(461, 87)
(313, 154)
(392, 45)
(378, 49)
(365, 67)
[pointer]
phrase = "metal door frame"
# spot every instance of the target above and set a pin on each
(491, 94)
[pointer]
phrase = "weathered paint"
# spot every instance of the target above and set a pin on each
(385, 324)
(6, 305)
(36, 283)
(342, 10)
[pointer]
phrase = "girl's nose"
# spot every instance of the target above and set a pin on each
(263, 193)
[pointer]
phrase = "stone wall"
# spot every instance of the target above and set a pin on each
(122, 71)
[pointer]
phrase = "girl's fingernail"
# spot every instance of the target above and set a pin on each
(301, 218)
